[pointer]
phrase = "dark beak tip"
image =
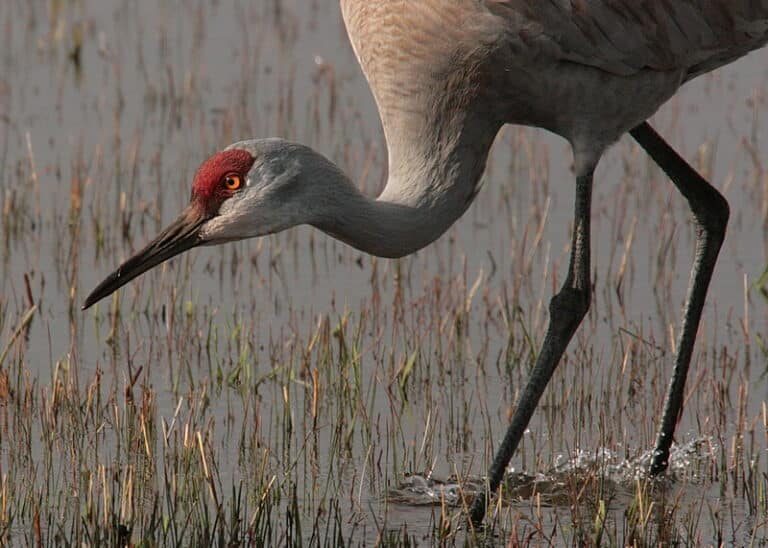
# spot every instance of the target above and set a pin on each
(89, 301)
(179, 236)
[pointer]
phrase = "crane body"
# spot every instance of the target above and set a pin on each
(446, 76)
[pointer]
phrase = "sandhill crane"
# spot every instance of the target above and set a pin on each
(446, 76)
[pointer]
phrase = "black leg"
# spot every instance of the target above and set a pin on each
(566, 310)
(710, 212)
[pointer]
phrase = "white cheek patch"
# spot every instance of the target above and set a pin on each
(209, 230)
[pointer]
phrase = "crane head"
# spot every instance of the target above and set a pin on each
(249, 189)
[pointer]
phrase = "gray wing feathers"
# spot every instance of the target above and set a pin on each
(627, 36)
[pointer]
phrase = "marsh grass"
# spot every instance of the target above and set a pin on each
(290, 391)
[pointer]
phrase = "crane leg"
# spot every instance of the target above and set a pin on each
(710, 213)
(566, 310)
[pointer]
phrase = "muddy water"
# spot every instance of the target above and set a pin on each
(107, 108)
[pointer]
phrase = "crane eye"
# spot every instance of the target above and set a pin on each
(233, 181)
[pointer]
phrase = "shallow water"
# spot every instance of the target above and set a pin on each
(97, 149)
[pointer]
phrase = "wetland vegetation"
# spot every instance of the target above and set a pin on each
(291, 391)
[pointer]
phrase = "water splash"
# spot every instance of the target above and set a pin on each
(614, 476)
(425, 490)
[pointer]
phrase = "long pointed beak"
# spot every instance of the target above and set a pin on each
(181, 235)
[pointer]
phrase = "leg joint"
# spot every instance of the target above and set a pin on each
(570, 302)
(712, 212)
